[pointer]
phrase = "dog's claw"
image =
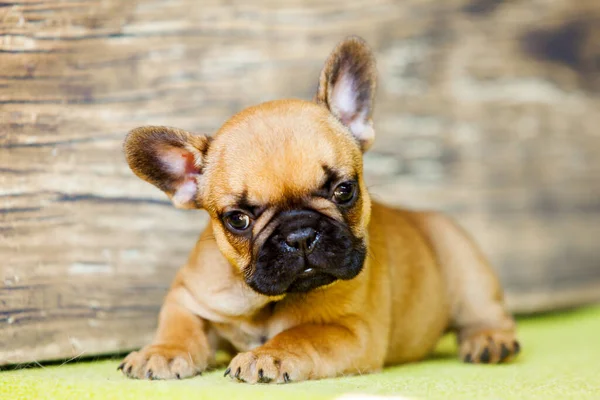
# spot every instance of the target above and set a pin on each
(286, 377)
(504, 353)
(177, 376)
(149, 375)
(237, 373)
(485, 356)
(227, 372)
(121, 366)
(517, 347)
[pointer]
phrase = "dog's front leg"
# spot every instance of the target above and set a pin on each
(179, 350)
(310, 351)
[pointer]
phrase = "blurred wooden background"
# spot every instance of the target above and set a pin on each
(487, 109)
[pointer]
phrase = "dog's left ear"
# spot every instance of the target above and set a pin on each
(347, 88)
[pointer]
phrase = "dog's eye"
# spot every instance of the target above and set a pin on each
(237, 221)
(344, 192)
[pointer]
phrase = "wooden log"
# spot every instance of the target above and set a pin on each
(486, 110)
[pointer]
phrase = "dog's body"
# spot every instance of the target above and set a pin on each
(299, 270)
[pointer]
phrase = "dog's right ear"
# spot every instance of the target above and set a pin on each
(170, 159)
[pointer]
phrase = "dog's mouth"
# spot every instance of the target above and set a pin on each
(310, 279)
(283, 279)
(307, 272)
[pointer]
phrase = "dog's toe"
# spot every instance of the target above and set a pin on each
(489, 347)
(159, 362)
(263, 366)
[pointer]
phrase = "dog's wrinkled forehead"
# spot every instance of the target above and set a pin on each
(277, 151)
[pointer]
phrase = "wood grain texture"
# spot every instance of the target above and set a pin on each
(486, 109)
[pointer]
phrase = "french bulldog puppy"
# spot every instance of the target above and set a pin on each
(299, 271)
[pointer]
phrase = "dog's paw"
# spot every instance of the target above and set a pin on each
(160, 362)
(489, 347)
(266, 366)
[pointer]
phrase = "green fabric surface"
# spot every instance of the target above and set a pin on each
(560, 359)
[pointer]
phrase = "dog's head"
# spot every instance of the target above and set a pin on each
(282, 181)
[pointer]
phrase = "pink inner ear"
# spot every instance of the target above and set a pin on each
(178, 162)
(190, 168)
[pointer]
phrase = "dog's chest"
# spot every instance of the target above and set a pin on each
(250, 333)
(243, 336)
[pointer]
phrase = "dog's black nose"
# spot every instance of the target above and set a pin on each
(303, 239)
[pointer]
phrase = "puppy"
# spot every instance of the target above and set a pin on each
(299, 271)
